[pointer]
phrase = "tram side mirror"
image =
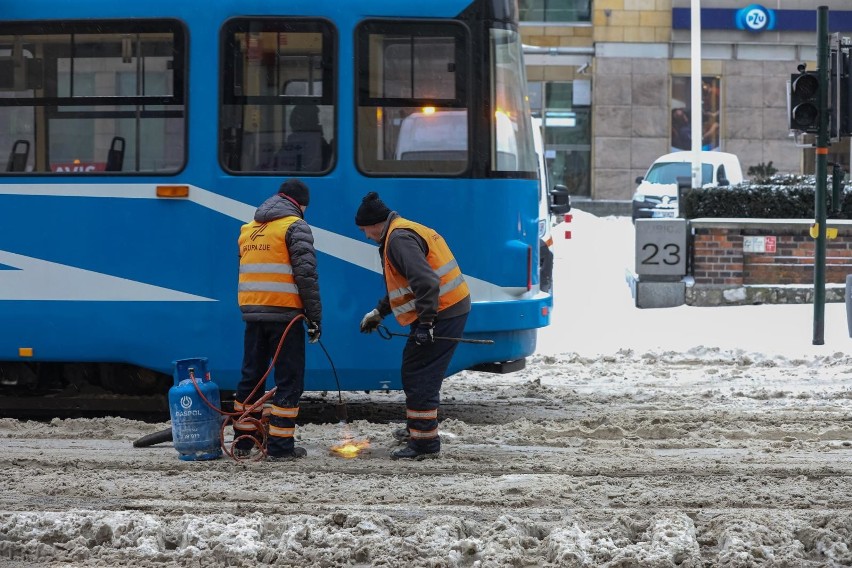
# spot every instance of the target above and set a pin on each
(560, 200)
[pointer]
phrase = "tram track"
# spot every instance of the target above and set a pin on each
(471, 460)
(398, 511)
(383, 408)
(412, 492)
(383, 471)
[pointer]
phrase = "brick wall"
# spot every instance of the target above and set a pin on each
(724, 252)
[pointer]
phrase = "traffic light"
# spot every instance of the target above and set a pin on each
(840, 92)
(804, 101)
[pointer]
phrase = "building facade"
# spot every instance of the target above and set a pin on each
(612, 79)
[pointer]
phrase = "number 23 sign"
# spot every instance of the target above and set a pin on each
(661, 247)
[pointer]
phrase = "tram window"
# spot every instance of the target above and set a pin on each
(81, 85)
(278, 113)
(511, 124)
(412, 115)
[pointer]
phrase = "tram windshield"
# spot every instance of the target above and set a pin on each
(508, 100)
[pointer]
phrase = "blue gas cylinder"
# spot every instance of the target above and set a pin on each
(195, 426)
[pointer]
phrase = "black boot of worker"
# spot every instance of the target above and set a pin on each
(242, 453)
(245, 447)
(402, 435)
(293, 454)
(409, 453)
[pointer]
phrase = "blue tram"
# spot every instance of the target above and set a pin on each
(139, 136)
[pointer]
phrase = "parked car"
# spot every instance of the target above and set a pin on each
(656, 193)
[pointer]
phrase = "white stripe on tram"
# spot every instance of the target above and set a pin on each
(28, 282)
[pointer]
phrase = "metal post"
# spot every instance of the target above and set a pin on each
(821, 177)
(697, 118)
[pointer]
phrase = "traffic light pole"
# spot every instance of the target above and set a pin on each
(821, 177)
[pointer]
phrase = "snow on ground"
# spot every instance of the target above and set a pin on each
(591, 285)
(672, 437)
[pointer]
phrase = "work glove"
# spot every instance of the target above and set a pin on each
(423, 334)
(370, 321)
(314, 331)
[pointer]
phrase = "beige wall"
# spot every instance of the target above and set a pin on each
(632, 20)
(631, 94)
(629, 122)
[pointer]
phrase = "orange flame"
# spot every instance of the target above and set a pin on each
(350, 448)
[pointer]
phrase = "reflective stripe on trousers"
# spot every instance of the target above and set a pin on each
(423, 370)
(248, 425)
(260, 342)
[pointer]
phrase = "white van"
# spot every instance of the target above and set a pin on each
(443, 136)
(656, 194)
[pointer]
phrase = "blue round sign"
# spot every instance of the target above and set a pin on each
(755, 18)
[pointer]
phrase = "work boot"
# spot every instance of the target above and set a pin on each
(244, 448)
(295, 453)
(409, 453)
(241, 453)
(402, 435)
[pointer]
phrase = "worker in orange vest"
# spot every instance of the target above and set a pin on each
(278, 281)
(426, 291)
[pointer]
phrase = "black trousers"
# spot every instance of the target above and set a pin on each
(260, 342)
(423, 370)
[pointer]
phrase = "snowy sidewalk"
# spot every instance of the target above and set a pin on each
(595, 313)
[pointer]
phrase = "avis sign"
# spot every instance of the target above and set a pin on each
(77, 167)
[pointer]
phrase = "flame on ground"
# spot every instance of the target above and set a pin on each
(350, 448)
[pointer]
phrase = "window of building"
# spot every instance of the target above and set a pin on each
(91, 97)
(565, 109)
(278, 113)
(555, 10)
(681, 120)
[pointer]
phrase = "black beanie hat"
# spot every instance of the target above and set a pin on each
(297, 190)
(372, 210)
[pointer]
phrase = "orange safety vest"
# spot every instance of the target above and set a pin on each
(453, 288)
(266, 275)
